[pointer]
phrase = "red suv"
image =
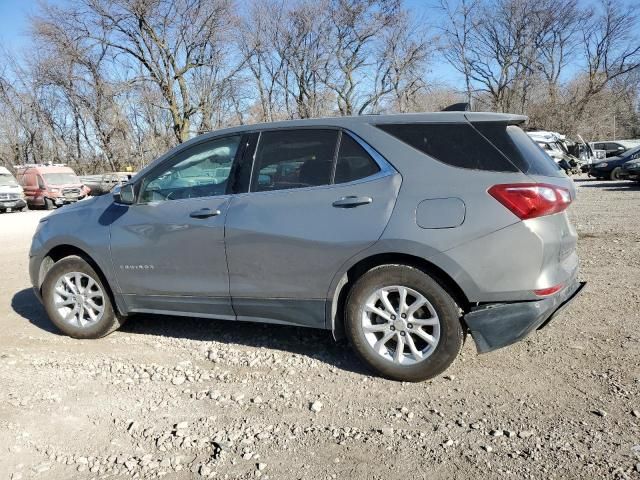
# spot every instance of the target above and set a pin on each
(50, 186)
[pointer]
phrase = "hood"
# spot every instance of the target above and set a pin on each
(10, 189)
(635, 163)
(67, 185)
(611, 162)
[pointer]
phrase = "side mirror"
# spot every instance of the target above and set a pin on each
(125, 195)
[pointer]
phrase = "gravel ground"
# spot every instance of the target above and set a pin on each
(190, 398)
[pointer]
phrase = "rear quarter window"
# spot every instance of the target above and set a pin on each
(487, 146)
(456, 144)
(520, 149)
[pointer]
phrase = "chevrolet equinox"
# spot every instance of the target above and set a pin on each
(402, 232)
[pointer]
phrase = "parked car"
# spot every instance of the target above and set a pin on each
(631, 169)
(553, 145)
(104, 183)
(612, 149)
(50, 186)
(612, 168)
(399, 231)
(11, 194)
(586, 155)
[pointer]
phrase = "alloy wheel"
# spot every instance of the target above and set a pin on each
(79, 299)
(400, 325)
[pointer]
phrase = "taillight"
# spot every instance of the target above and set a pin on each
(545, 292)
(531, 200)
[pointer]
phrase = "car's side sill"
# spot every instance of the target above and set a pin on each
(207, 307)
(284, 311)
(287, 311)
(182, 314)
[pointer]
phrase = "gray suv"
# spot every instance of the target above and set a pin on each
(402, 232)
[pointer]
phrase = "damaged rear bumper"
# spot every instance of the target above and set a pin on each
(499, 325)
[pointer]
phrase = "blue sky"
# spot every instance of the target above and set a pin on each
(14, 26)
(14, 22)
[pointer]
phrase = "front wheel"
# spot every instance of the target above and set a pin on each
(615, 174)
(403, 324)
(76, 300)
(48, 204)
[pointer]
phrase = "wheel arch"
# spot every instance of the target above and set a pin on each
(348, 279)
(59, 252)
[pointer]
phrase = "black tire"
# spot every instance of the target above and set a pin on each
(451, 331)
(25, 208)
(615, 174)
(48, 204)
(110, 320)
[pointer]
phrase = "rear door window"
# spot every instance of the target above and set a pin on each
(299, 158)
(353, 162)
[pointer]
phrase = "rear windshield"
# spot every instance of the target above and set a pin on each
(61, 178)
(482, 146)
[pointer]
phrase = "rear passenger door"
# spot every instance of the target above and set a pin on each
(317, 197)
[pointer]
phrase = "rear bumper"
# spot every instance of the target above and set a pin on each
(496, 326)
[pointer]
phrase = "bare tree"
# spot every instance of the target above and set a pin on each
(355, 26)
(77, 68)
(462, 20)
(611, 46)
(167, 40)
(403, 56)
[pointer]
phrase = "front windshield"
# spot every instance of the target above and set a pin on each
(7, 180)
(631, 154)
(61, 178)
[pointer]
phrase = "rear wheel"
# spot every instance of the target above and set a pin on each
(615, 174)
(76, 300)
(48, 204)
(403, 324)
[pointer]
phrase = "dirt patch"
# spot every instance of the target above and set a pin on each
(199, 398)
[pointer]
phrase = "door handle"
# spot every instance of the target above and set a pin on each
(352, 201)
(204, 213)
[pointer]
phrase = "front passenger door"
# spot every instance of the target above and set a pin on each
(168, 248)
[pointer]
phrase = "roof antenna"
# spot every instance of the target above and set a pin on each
(457, 107)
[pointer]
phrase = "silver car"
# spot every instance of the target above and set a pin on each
(402, 232)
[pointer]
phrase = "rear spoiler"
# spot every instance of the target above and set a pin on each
(503, 118)
(457, 107)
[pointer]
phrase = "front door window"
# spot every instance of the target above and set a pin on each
(201, 171)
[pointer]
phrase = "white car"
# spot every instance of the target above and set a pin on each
(11, 193)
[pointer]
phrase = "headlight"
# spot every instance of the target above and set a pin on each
(602, 165)
(54, 190)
